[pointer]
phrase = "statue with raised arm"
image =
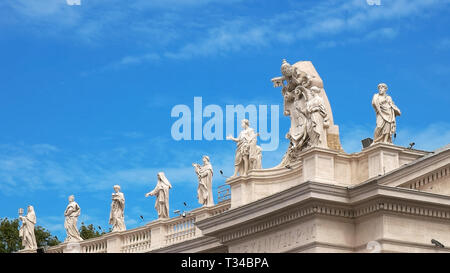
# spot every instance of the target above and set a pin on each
(205, 176)
(26, 231)
(161, 191)
(386, 112)
(71, 214)
(116, 216)
(248, 154)
(294, 84)
(306, 104)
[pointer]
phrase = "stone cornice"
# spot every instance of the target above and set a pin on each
(268, 175)
(203, 242)
(394, 147)
(372, 189)
(276, 202)
(417, 168)
(319, 199)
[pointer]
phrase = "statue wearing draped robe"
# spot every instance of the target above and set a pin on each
(161, 191)
(116, 216)
(248, 154)
(386, 112)
(205, 176)
(70, 224)
(26, 231)
(318, 119)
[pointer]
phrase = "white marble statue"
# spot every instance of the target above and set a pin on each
(26, 231)
(248, 154)
(293, 84)
(70, 224)
(317, 119)
(306, 109)
(161, 191)
(205, 176)
(386, 112)
(116, 216)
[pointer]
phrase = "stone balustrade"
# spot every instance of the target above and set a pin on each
(136, 240)
(181, 230)
(156, 234)
(94, 246)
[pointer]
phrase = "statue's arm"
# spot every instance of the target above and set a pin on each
(229, 137)
(68, 211)
(397, 111)
(151, 192)
(205, 173)
(375, 104)
(121, 199)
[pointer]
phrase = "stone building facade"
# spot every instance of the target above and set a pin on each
(385, 198)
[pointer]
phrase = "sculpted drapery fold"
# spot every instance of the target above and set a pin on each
(306, 109)
(205, 176)
(385, 111)
(71, 214)
(161, 191)
(248, 154)
(26, 231)
(116, 216)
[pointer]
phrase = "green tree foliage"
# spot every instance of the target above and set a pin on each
(89, 231)
(9, 236)
(44, 238)
(11, 242)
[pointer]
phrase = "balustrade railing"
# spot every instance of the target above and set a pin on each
(138, 240)
(180, 230)
(95, 245)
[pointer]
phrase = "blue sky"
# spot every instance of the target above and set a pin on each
(86, 91)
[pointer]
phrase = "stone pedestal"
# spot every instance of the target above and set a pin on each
(114, 242)
(321, 165)
(261, 183)
(72, 247)
(158, 233)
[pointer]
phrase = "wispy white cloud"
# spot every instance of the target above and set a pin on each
(186, 29)
(52, 223)
(25, 169)
(229, 37)
(178, 4)
(351, 136)
(38, 8)
(44, 148)
(354, 20)
(443, 44)
(432, 137)
(381, 35)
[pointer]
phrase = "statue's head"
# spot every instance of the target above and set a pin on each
(286, 69)
(245, 123)
(382, 88)
(71, 198)
(30, 208)
(162, 177)
(205, 159)
(116, 188)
